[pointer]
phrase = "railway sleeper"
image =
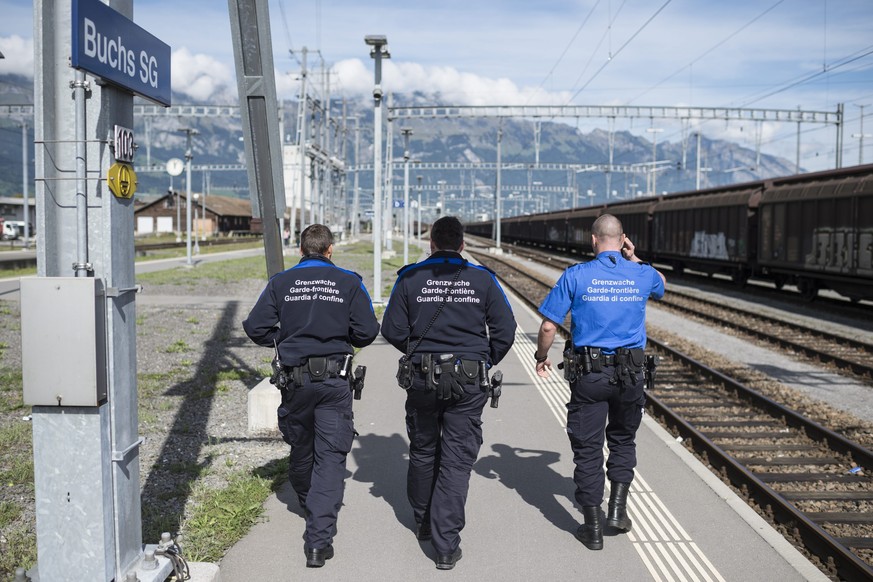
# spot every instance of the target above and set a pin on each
(807, 477)
(840, 517)
(788, 461)
(702, 404)
(766, 423)
(827, 495)
(748, 435)
(768, 448)
(857, 543)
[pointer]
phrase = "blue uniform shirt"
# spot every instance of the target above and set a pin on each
(313, 309)
(606, 298)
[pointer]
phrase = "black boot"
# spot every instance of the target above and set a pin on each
(591, 532)
(617, 517)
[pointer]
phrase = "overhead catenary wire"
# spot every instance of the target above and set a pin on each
(707, 51)
(793, 82)
(603, 37)
(809, 77)
(620, 49)
(285, 27)
(566, 49)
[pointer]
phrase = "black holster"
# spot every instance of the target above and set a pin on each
(570, 365)
(317, 368)
(404, 373)
(357, 381)
(469, 370)
(628, 365)
(651, 367)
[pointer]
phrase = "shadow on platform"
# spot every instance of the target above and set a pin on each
(529, 473)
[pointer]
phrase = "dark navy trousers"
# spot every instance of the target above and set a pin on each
(595, 403)
(317, 421)
(444, 441)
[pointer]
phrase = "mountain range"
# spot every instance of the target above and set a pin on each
(437, 140)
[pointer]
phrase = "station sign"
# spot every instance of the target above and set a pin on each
(398, 203)
(109, 45)
(124, 148)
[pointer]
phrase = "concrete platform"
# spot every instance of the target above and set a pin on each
(520, 511)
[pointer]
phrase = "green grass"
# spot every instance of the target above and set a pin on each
(220, 518)
(230, 375)
(151, 386)
(13, 437)
(8, 513)
(17, 471)
(204, 250)
(223, 271)
(16, 464)
(20, 552)
(17, 272)
(16, 477)
(156, 520)
(177, 347)
(10, 390)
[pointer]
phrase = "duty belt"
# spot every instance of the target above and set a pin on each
(607, 359)
(585, 359)
(432, 365)
(321, 367)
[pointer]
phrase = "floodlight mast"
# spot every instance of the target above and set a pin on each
(378, 42)
(406, 132)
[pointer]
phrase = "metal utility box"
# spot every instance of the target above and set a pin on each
(63, 345)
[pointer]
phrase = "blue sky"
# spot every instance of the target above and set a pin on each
(779, 54)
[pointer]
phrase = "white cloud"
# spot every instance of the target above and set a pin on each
(201, 76)
(18, 53)
(456, 87)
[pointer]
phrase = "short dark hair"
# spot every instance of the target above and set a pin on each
(447, 234)
(315, 239)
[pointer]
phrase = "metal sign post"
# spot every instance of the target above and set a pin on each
(253, 55)
(86, 452)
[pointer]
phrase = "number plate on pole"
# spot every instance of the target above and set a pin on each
(124, 146)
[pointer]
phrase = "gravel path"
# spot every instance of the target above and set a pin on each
(196, 366)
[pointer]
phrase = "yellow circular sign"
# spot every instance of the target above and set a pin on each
(122, 180)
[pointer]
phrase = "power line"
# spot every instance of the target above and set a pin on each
(285, 27)
(621, 48)
(806, 78)
(288, 33)
(567, 48)
(603, 37)
(793, 82)
(708, 51)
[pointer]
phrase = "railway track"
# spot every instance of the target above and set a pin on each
(811, 482)
(847, 354)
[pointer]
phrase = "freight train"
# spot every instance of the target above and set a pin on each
(813, 231)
